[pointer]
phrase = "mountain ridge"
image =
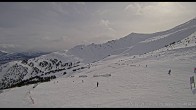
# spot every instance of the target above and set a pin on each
(80, 57)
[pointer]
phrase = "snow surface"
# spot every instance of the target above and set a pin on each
(131, 84)
(131, 71)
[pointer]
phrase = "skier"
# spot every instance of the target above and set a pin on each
(192, 81)
(169, 72)
(97, 84)
(195, 70)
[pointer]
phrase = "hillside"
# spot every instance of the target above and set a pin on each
(82, 57)
(134, 43)
(124, 81)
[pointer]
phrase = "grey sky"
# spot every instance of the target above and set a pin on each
(62, 25)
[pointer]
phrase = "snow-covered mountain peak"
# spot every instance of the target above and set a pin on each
(3, 53)
(134, 43)
(80, 57)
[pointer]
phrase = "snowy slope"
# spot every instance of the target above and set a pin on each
(144, 47)
(134, 43)
(95, 52)
(39, 69)
(131, 84)
(68, 62)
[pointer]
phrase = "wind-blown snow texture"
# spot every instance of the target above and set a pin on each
(131, 71)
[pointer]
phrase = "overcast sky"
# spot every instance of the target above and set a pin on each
(61, 25)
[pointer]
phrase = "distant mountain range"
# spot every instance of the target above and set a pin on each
(2, 53)
(6, 57)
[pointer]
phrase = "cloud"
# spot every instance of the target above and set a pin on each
(134, 8)
(157, 9)
(149, 17)
(68, 8)
(59, 8)
(105, 22)
(107, 25)
(8, 46)
(54, 39)
(62, 25)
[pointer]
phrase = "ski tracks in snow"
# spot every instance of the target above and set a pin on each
(28, 96)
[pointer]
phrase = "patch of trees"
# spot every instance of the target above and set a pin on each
(69, 67)
(77, 62)
(43, 64)
(64, 73)
(36, 70)
(65, 64)
(54, 61)
(31, 80)
(54, 71)
(70, 64)
(76, 65)
(31, 64)
(49, 67)
(172, 43)
(83, 76)
(59, 63)
(24, 61)
(78, 69)
(17, 73)
(104, 75)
